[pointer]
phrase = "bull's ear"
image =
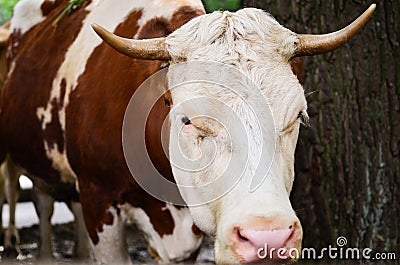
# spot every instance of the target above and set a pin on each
(317, 44)
(4, 34)
(298, 66)
(150, 49)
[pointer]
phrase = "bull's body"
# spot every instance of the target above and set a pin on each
(62, 110)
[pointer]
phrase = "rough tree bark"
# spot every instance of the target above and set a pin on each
(347, 162)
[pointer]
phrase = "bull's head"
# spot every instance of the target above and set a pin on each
(237, 109)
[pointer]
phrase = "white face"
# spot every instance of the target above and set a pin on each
(234, 127)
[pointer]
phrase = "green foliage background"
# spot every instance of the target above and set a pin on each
(6, 7)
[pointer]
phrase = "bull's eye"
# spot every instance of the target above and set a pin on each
(186, 120)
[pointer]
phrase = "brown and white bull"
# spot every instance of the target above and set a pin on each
(64, 102)
(234, 96)
(61, 117)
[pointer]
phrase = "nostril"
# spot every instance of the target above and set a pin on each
(292, 233)
(241, 237)
(246, 242)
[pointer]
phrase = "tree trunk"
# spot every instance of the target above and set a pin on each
(348, 163)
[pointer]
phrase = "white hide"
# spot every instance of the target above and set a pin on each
(26, 14)
(170, 248)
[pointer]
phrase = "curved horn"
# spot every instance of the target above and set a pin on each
(317, 44)
(151, 49)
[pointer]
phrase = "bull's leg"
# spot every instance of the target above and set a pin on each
(11, 180)
(111, 248)
(82, 243)
(44, 205)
